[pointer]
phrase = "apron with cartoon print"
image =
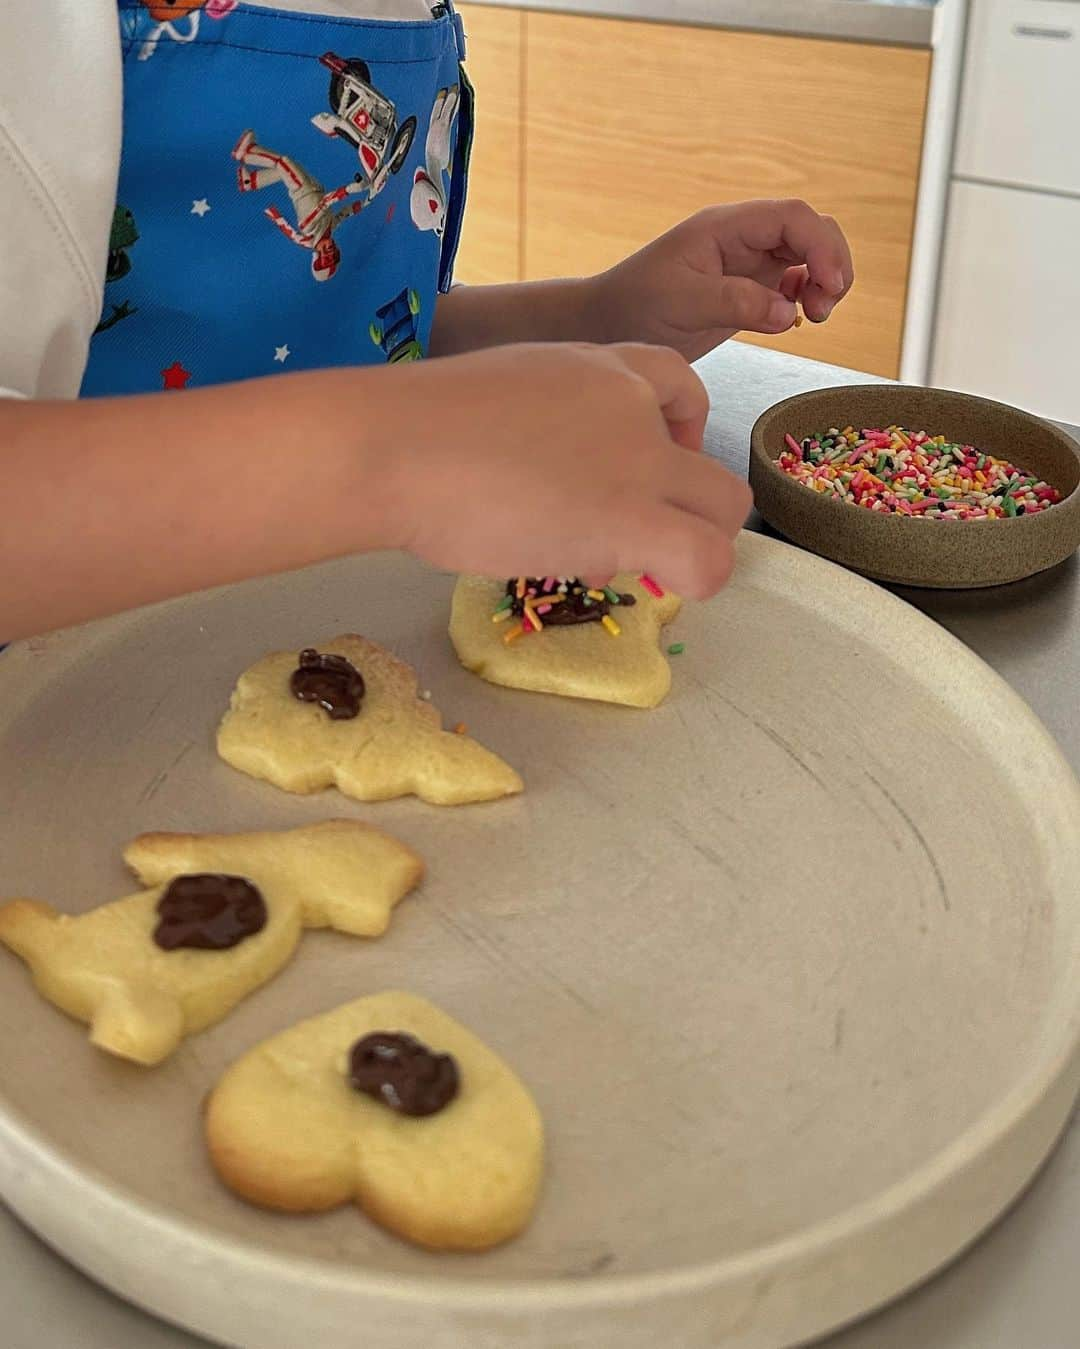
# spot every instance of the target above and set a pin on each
(290, 195)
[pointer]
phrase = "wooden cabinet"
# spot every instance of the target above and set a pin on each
(491, 240)
(624, 128)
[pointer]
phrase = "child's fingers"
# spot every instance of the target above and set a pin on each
(816, 303)
(679, 392)
(733, 302)
(684, 552)
(690, 435)
(739, 302)
(829, 261)
(793, 230)
(685, 538)
(701, 486)
(819, 241)
(794, 282)
(847, 263)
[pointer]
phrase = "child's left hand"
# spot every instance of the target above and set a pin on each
(725, 269)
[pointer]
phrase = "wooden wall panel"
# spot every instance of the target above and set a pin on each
(631, 126)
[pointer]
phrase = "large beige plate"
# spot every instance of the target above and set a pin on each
(790, 964)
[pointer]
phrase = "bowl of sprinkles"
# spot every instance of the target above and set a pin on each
(918, 487)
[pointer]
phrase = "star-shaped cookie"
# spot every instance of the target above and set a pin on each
(145, 971)
(393, 745)
(614, 659)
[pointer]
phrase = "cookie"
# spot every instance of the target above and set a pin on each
(588, 645)
(224, 914)
(389, 1102)
(351, 718)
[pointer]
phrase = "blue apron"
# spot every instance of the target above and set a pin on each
(290, 195)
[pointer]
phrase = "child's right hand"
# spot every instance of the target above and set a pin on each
(566, 459)
(574, 460)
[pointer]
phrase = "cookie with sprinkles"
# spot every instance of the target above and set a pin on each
(555, 634)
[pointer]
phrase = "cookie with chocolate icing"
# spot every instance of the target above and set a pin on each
(221, 914)
(558, 636)
(347, 714)
(389, 1102)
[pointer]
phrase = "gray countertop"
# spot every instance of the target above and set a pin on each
(908, 23)
(1017, 1289)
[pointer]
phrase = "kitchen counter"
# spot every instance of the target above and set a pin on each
(1018, 1286)
(908, 23)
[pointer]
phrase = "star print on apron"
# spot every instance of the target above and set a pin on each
(290, 195)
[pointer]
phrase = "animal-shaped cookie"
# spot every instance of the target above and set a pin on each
(223, 915)
(347, 715)
(556, 635)
(389, 1102)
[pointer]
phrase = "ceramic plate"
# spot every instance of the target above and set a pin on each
(790, 965)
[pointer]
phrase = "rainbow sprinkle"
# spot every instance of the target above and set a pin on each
(532, 600)
(900, 472)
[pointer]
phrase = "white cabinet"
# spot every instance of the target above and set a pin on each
(1020, 107)
(1008, 318)
(1009, 306)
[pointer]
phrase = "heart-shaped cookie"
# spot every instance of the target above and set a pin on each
(389, 1102)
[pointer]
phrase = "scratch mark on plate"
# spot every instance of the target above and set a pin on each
(919, 836)
(838, 1031)
(774, 736)
(790, 751)
(503, 961)
(155, 784)
(596, 1265)
(153, 711)
(461, 929)
(710, 854)
(570, 991)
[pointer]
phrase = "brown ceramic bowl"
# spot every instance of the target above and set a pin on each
(941, 554)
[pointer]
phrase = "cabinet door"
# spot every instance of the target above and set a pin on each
(1021, 103)
(630, 127)
(1009, 299)
(490, 248)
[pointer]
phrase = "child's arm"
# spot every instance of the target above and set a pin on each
(726, 268)
(111, 503)
(564, 458)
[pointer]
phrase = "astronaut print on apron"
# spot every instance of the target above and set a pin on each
(290, 194)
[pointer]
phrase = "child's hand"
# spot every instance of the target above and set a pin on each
(726, 268)
(563, 459)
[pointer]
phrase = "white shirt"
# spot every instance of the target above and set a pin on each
(60, 129)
